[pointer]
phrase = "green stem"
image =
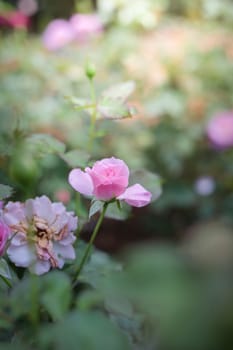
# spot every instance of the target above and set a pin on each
(34, 311)
(8, 283)
(93, 236)
(78, 205)
(93, 116)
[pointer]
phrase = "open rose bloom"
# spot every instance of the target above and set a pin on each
(41, 234)
(107, 180)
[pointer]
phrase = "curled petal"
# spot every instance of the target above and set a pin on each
(19, 239)
(136, 195)
(81, 182)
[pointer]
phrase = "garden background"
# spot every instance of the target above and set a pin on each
(161, 276)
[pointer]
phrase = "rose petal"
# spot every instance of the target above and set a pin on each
(67, 240)
(60, 222)
(58, 208)
(73, 221)
(107, 192)
(81, 182)
(22, 255)
(66, 252)
(40, 267)
(13, 213)
(19, 239)
(136, 195)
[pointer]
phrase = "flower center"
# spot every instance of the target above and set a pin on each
(110, 172)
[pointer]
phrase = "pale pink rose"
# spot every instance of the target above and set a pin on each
(108, 179)
(41, 234)
(85, 26)
(57, 34)
(4, 234)
(220, 130)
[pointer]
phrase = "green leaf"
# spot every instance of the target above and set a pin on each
(4, 269)
(81, 104)
(99, 267)
(150, 181)
(114, 212)
(80, 248)
(84, 330)
(56, 294)
(88, 299)
(7, 346)
(21, 291)
(120, 92)
(108, 108)
(5, 191)
(44, 144)
(95, 207)
(76, 158)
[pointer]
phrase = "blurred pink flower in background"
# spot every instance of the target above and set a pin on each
(41, 234)
(62, 196)
(204, 185)
(85, 26)
(57, 34)
(28, 7)
(4, 234)
(80, 27)
(220, 130)
(14, 19)
(108, 179)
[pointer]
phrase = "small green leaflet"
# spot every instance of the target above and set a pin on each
(4, 269)
(112, 104)
(76, 158)
(108, 108)
(81, 104)
(5, 191)
(120, 92)
(95, 207)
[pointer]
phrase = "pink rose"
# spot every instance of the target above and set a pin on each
(108, 179)
(41, 234)
(4, 234)
(220, 130)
